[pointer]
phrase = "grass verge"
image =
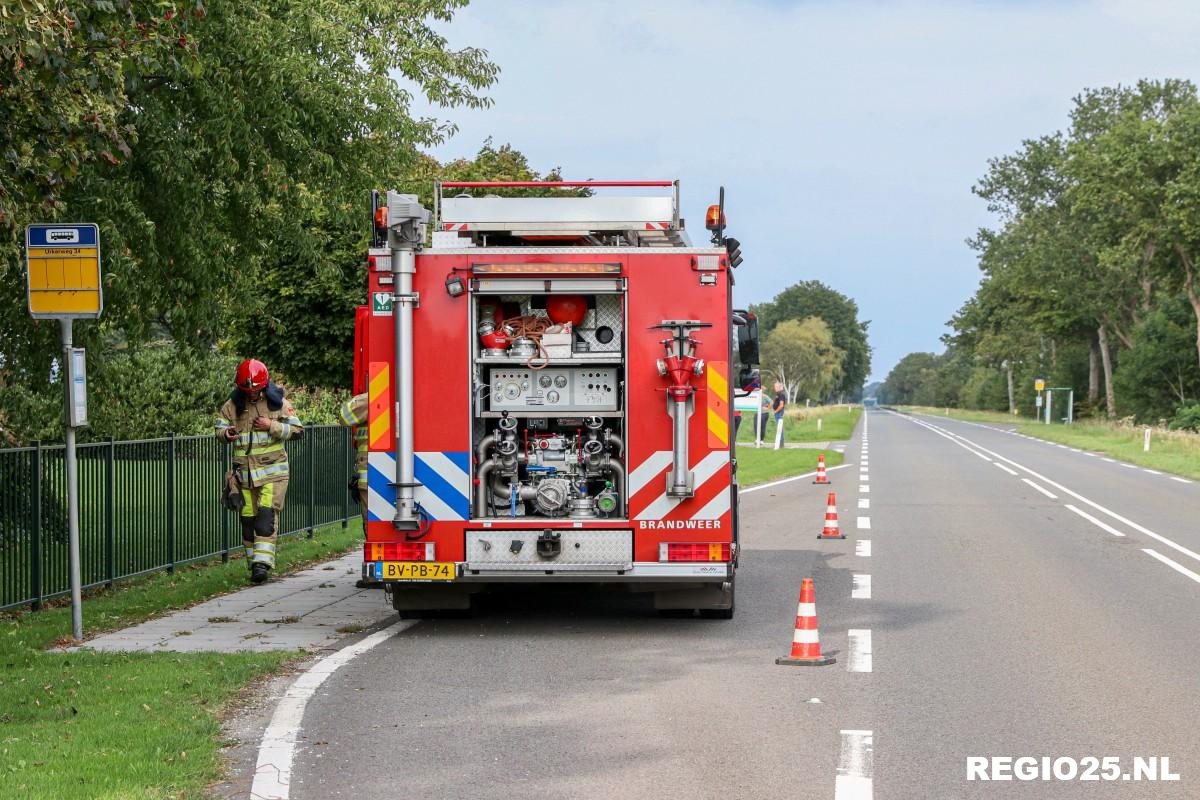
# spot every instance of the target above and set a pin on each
(800, 424)
(1176, 452)
(128, 725)
(759, 465)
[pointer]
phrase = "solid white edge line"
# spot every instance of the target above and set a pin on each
(1104, 526)
(1040, 489)
(861, 587)
(856, 766)
(1182, 570)
(1140, 528)
(859, 645)
(781, 481)
(273, 771)
(1012, 472)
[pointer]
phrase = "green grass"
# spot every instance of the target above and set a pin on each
(1177, 452)
(759, 465)
(800, 424)
(128, 725)
(989, 417)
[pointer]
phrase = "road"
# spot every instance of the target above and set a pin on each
(991, 618)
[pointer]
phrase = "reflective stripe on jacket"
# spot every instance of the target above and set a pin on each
(259, 456)
(353, 413)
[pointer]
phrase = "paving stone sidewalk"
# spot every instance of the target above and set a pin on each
(303, 610)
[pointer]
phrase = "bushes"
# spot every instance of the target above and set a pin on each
(146, 393)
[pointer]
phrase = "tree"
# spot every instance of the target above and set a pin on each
(840, 313)
(802, 356)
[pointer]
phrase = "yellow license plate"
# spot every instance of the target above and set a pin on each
(418, 571)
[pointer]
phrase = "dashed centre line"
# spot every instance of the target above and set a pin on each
(859, 645)
(856, 766)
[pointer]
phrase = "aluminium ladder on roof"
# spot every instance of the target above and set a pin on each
(648, 221)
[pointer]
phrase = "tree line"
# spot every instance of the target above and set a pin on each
(227, 153)
(813, 343)
(1089, 277)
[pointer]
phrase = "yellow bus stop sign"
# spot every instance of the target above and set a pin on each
(63, 272)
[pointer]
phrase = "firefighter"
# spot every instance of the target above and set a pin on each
(353, 414)
(257, 420)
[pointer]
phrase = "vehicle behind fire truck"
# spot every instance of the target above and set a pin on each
(550, 395)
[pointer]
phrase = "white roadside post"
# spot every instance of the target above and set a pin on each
(63, 281)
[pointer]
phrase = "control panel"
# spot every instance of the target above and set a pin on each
(569, 389)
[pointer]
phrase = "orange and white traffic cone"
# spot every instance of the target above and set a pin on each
(806, 645)
(831, 529)
(821, 476)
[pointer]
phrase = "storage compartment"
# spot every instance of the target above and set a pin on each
(548, 406)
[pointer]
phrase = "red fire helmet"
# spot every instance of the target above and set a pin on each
(252, 375)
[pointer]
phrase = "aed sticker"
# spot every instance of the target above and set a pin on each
(381, 304)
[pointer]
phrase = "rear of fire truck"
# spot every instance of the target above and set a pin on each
(550, 396)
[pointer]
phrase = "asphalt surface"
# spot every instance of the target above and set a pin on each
(1001, 623)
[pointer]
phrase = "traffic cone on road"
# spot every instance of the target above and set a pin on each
(821, 476)
(806, 645)
(831, 530)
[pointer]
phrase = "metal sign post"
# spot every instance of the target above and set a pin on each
(63, 281)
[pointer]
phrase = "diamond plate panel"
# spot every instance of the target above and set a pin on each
(607, 312)
(581, 549)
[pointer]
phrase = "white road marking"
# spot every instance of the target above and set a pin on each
(1182, 570)
(862, 588)
(787, 480)
(864, 502)
(864, 488)
(1006, 469)
(1040, 489)
(863, 548)
(864, 523)
(1104, 526)
(1140, 528)
(856, 767)
(860, 650)
(273, 772)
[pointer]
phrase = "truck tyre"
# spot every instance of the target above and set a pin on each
(722, 613)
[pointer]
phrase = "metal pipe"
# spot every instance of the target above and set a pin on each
(481, 450)
(679, 453)
(403, 267)
(481, 487)
(616, 468)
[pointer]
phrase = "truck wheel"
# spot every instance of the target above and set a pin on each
(721, 613)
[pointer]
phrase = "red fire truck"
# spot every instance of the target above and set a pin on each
(550, 395)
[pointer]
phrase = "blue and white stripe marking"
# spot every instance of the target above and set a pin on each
(444, 493)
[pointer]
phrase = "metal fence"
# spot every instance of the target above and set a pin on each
(147, 505)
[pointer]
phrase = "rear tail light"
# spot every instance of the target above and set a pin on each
(694, 551)
(398, 551)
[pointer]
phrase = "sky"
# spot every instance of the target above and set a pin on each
(847, 134)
